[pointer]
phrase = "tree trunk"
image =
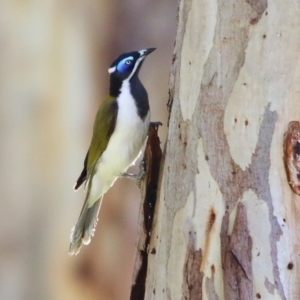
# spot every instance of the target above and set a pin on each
(225, 223)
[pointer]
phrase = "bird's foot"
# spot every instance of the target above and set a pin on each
(138, 176)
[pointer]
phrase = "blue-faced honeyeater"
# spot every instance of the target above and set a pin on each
(120, 131)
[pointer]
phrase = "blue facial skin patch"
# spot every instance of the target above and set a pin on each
(124, 65)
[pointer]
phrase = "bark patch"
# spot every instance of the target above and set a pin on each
(269, 286)
(291, 148)
(192, 287)
(237, 265)
(210, 288)
(259, 6)
(211, 221)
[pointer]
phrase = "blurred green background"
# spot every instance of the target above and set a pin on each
(54, 56)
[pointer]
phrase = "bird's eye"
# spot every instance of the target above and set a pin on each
(125, 65)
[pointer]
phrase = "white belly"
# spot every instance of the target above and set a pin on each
(124, 146)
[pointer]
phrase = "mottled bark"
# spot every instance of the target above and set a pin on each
(226, 221)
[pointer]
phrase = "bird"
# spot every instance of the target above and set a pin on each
(119, 134)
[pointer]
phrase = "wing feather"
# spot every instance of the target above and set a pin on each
(104, 126)
(82, 177)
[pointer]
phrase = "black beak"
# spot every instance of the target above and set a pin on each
(149, 50)
(145, 52)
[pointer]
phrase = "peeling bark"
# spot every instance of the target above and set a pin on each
(237, 265)
(192, 287)
(292, 155)
(226, 221)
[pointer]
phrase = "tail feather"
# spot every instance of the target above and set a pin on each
(84, 229)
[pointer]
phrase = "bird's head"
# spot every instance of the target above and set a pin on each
(128, 64)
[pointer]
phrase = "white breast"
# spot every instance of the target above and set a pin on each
(127, 139)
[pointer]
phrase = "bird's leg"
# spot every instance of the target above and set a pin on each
(138, 176)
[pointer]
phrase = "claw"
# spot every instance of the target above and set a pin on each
(137, 177)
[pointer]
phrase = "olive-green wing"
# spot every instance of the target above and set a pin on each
(104, 126)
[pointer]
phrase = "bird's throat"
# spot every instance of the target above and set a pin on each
(135, 88)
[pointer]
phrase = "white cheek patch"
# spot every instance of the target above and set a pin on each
(112, 69)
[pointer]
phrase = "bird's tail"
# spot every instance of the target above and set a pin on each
(84, 229)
